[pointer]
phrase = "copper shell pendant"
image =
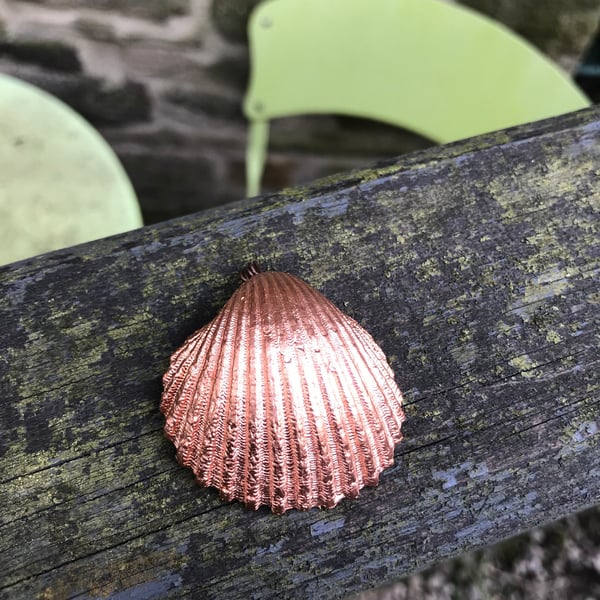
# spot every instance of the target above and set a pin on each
(282, 399)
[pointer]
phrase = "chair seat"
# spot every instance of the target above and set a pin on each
(433, 67)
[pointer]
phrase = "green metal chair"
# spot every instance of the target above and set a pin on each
(60, 183)
(436, 68)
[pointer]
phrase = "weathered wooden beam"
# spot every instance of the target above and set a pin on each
(475, 266)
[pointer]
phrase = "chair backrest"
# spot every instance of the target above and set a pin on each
(436, 68)
(60, 182)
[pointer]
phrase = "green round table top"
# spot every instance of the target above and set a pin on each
(60, 182)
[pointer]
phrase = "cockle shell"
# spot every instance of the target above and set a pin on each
(282, 399)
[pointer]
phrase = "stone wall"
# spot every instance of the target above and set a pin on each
(163, 81)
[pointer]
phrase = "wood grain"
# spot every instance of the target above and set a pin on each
(474, 265)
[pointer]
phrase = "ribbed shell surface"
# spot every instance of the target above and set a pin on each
(282, 399)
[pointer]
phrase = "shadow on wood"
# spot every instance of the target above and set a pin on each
(474, 265)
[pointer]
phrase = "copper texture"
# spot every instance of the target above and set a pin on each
(282, 399)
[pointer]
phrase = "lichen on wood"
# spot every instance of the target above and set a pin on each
(474, 265)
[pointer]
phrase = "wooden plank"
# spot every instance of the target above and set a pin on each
(475, 266)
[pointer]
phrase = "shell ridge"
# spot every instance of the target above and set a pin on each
(287, 358)
(334, 427)
(254, 457)
(234, 423)
(350, 390)
(227, 374)
(273, 471)
(391, 395)
(205, 457)
(351, 430)
(175, 378)
(177, 372)
(346, 430)
(310, 473)
(178, 424)
(352, 360)
(179, 356)
(175, 387)
(196, 410)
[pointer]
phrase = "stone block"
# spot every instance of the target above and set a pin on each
(232, 71)
(231, 18)
(97, 102)
(205, 103)
(155, 10)
(113, 105)
(96, 30)
(49, 54)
